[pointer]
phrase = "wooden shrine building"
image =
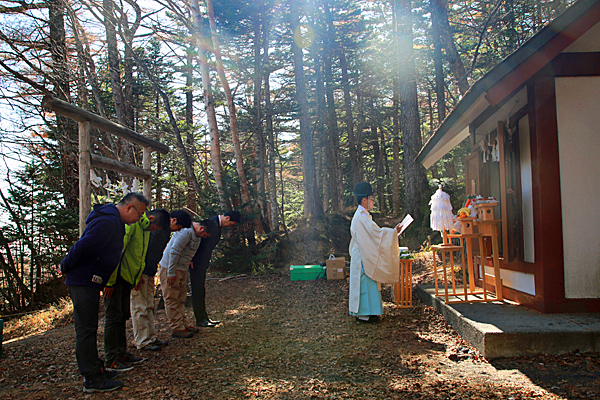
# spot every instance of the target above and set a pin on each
(533, 123)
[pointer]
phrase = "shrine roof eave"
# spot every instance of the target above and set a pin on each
(507, 76)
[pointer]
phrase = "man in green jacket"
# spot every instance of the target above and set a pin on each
(118, 289)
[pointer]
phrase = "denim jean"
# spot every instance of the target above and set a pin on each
(86, 303)
(116, 313)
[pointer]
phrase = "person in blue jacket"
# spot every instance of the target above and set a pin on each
(87, 268)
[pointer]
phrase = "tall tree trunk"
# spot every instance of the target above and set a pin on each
(440, 92)
(359, 135)
(272, 157)
(159, 165)
(333, 139)
(509, 19)
(66, 128)
(349, 119)
(215, 143)
(385, 166)
(259, 139)
(439, 17)
(128, 33)
(378, 160)
(274, 218)
(82, 92)
(190, 199)
(89, 68)
(114, 62)
(396, 199)
(239, 159)
(311, 200)
(58, 49)
(129, 30)
(123, 149)
(323, 177)
(414, 173)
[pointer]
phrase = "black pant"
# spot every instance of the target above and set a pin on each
(117, 312)
(197, 281)
(86, 303)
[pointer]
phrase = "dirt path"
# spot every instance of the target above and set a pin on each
(294, 340)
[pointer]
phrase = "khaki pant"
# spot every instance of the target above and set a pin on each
(142, 312)
(174, 297)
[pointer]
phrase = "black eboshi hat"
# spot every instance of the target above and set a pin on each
(363, 189)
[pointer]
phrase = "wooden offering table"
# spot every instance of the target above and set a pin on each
(447, 249)
(489, 228)
(468, 293)
(403, 289)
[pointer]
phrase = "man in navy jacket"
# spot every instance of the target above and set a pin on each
(87, 268)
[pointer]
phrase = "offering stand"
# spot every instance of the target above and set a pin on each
(488, 227)
(403, 289)
(467, 233)
(444, 248)
(466, 236)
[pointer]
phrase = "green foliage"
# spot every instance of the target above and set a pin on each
(38, 231)
(261, 269)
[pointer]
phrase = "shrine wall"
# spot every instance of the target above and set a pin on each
(578, 121)
(588, 42)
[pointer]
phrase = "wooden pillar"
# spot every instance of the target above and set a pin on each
(147, 160)
(85, 188)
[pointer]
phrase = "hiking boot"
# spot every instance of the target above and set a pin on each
(158, 342)
(129, 358)
(193, 329)
(101, 384)
(151, 347)
(184, 333)
(118, 365)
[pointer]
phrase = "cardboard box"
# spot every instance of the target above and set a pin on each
(336, 268)
(306, 272)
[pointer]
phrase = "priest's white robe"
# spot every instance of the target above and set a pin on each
(373, 248)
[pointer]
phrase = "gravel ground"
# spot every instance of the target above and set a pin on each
(294, 340)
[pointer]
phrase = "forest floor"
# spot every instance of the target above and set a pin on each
(294, 340)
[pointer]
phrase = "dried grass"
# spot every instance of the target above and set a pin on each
(55, 316)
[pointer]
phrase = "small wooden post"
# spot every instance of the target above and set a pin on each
(85, 188)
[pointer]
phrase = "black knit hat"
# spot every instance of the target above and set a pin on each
(363, 189)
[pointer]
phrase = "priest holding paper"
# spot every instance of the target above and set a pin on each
(374, 257)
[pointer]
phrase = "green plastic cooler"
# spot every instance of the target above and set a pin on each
(307, 272)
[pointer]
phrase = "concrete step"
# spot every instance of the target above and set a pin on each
(506, 329)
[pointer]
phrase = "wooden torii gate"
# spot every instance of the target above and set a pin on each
(86, 120)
